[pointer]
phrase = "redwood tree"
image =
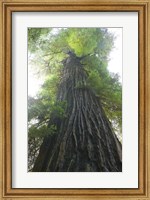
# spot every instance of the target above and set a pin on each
(82, 139)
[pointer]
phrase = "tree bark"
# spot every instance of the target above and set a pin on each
(85, 141)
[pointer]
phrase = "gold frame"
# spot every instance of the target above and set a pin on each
(6, 9)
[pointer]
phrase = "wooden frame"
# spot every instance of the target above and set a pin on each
(6, 9)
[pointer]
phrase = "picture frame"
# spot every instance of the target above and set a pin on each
(7, 7)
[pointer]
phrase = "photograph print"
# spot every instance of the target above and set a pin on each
(75, 99)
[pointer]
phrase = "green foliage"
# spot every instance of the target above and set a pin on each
(48, 48)
(36, 36)
(35, 131)
(43, 107)
(80, 44)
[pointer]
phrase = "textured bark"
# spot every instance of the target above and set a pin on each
(85, 141)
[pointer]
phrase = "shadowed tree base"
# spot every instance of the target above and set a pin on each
(85, 141)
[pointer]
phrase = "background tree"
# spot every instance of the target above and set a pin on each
(70, 110)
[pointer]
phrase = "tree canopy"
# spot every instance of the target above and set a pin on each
(49, 48)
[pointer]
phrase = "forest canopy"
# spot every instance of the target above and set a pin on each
(48, 50)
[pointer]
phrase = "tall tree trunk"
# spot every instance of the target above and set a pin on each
(85, 141)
